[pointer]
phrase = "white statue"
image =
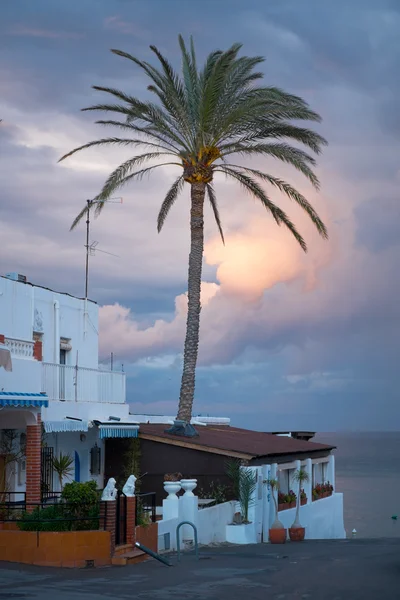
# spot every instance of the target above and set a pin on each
(129, 487)
(109, 492)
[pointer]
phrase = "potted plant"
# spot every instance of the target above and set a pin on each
(283, 503)
(242, 530)
(292, 497)
(297, 531)
(277, 532)
(303, 498)
(172, 484)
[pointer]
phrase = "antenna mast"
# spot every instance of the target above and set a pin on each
(88, 246)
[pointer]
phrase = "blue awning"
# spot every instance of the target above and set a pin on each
(118, 430)
(23, 399)
(65, 426)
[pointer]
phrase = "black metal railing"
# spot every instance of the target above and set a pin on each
(145, 508)
(13, 498)
(59, 516)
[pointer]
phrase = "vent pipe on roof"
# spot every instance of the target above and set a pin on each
(182, 428)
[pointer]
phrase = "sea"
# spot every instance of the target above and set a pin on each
(368, 474)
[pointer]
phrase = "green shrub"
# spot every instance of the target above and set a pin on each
(77, 510)
(77, 494)
(35, 520)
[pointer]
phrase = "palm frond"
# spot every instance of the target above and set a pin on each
(102, 142)
(118, 176)
(213, 201)
(250, 185)
(291, 192)
(78, 218)
(288, 154)
(110, 187)
(169, 200)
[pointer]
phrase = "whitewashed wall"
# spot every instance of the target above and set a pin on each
(212, 523)
(26, 376)
(168, 527)
(27, 308)
(68, 443)
(323, 519)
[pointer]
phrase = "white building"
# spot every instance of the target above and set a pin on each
(51, 341)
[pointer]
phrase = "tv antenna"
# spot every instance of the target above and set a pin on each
(91, 248)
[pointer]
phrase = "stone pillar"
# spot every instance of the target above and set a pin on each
(33, 463)
(108, 513)
(330, 471)
(171, 503)
(130, 519)
(308, 486)
(188, 508)
(38, 350)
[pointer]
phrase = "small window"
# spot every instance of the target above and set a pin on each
(22, 471)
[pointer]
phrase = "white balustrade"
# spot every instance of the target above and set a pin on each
(80, 384)
(19, 348)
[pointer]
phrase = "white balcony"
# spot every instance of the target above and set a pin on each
(19, 348)
(79, 384)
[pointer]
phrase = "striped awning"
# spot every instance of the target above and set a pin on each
(67, 425)
(118, 430)
(23, 399)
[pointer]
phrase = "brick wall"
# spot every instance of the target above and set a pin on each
(38, 350)
(33, 462)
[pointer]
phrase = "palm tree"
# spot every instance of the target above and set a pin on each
(300, 476)
(63, 467)
(200, 119)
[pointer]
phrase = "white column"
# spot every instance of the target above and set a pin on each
(267, 503)
(171, 503)
(188, 509)
(294, 484)
(274, 475)
(330, 470)
(308, 484)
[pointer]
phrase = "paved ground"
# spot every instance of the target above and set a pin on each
(325, 570)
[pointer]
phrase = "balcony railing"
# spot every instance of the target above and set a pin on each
(80, 384)
(19, 348)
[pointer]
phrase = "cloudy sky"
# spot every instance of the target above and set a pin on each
(287, 340)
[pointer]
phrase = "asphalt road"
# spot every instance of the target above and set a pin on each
(319, 570)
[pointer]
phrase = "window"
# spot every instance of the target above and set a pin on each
(22, 471)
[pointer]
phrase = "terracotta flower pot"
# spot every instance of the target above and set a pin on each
(282, 506)
(292, 504)
(277, 536)
(303, 501)
(297, 534)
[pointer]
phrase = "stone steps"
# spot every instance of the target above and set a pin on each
(130, 557)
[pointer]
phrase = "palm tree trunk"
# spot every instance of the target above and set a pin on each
(186, 396)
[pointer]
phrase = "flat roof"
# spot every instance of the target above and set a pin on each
(223, 439)
(43, 287)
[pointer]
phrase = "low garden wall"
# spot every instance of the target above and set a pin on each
(56, 549)
(212, 523)
(322, 519)
(147, 535)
